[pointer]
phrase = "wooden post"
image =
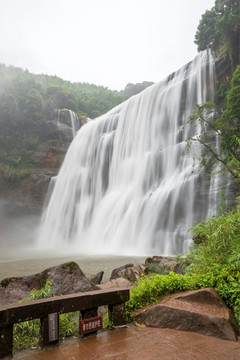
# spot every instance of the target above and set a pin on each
(6, 341)
(117, 314)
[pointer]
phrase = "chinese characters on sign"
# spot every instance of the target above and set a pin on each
(90, 325)
(52, 327)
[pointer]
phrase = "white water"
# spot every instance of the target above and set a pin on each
(127, 185)
(74, 124)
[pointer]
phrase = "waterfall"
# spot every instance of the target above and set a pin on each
(75, 125)
(127, 184)
(67, 122)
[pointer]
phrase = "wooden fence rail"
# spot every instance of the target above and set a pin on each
(87, 303)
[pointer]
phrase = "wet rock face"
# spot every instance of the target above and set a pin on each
(47, 159)
(201, 311)
(67, 278)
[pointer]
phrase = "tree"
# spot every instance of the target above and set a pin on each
(206, 35)
(219, 28)
(133, 89)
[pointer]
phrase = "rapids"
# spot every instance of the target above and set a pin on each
(127, 184)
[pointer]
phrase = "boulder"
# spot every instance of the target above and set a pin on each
(95, 279)
(201, 311)
(67, 278)
(120, 271)
(134, 273)
(120, 282)
(129, 271)
(162, 265)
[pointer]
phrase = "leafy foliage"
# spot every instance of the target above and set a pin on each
(219, 28)
(225, 280)
(149, 289)
(133, 89)
(217, 256)
(220, 241)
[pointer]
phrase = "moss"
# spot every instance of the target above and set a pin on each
(72, 266)
(44, 278)
(159, 269)
(5, 282)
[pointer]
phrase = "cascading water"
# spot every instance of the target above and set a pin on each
(69, 122)
(74, 122)
(127, 185)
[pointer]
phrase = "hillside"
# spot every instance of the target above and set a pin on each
(35, 132)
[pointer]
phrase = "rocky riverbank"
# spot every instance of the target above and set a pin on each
(68, 278)
(201, 311)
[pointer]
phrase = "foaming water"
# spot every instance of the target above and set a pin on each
(127, 184)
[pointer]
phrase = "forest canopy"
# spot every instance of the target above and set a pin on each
(219, 29)
(28, 101)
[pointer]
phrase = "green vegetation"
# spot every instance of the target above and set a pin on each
(216, 257)
(150, 289)
(28, 101)
(219, 28)
(133, 89)
(225, 280)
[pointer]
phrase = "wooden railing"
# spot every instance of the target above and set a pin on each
(87, 303)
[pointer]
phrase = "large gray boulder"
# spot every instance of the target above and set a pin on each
(95, 278)
(120, 271)
(129, 271)
(66, 278)
(201, 311)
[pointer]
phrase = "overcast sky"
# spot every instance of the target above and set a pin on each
(105, 42)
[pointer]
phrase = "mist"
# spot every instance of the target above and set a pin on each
(18, 228)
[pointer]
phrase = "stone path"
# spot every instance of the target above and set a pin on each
(139, 343)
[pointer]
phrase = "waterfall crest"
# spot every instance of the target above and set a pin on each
(127, 185)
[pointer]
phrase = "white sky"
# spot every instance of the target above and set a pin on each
(105, 42)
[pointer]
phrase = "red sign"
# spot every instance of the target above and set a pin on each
(89, 325)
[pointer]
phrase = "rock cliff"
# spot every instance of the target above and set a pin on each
(31, 190)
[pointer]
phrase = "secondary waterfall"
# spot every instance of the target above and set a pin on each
(127, 184)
